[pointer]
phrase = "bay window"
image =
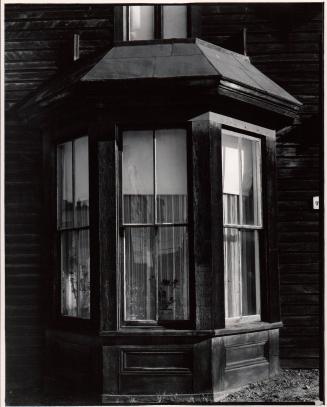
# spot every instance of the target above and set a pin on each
(155, 225)
(73, 227)
(148, 22)
(242, 218)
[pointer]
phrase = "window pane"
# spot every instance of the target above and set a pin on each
(75, 273)
(138, 176)
(140, 280)
(171, 175)
(83, 264)
(173, 273)
(250, 272)
(69, 289)
(81, 175)
(232, 273)
(231, 178)
(250, 193)
(65, 185)
(141, 23)
(174, 22)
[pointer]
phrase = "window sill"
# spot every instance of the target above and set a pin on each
(231, 330)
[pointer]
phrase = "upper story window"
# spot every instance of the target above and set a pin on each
(154, 220)
(241, 172)
(73, 227)
(154, 22)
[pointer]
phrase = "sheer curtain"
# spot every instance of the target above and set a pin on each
(155, 256)
(241, 200)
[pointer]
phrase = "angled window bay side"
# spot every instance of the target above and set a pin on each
(73, 227)
(241, 177)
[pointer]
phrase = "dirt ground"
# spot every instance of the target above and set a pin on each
(292, 385)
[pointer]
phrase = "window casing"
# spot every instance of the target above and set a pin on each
(242, 223)
(154, 224)
(73, 227)
(149, 22)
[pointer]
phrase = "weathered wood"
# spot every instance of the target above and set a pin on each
(108, 230)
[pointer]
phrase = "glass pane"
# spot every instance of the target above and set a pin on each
(140, 280)
(171, 175)
(250, 271)
(250, 193)
(231, 178)
(69, 276)
(174, 22)
(81, 175)
(232, 273)
(138, 176)
(75, 273)
(65, 185)
(83, 264)
(141, 23)
(173, 273)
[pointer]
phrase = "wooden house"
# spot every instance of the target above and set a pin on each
(161, 165)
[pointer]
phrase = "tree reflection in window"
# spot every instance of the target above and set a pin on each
(73, 227)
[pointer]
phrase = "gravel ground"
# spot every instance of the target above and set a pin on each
(296, 385)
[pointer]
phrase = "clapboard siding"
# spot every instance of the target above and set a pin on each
(38, 39)
(24, 277)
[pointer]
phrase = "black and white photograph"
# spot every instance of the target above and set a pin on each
(163, 223)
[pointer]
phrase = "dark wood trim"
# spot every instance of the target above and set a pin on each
(108, 229)
(271, 303)
(217, 242)
(118, 23)
(194, 29)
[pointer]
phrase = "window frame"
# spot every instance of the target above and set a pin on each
(155, 324)
(241, 225)
(69, 132)
(122, 23)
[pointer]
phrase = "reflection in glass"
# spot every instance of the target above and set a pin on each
(140, 279)
(138, 176)
(73, 213)
(75, 273)
(173, 273)
(65, 185)
(141, 23)
(174, 21)
(171, 175)
(231, 178)
(250, 270)
(232, 273)
(250, 196)
(81, 173)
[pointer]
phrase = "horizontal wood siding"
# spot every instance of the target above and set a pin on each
(38, 44)
(39, 41)
(24, 274)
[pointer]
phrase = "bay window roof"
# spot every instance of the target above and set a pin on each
(191, 59)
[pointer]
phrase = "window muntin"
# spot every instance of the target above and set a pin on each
(156, 265)
(73, 227)
(148, 22)
(241, 172)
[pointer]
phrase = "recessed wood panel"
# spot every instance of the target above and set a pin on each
(155, 360)
(245, 354)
